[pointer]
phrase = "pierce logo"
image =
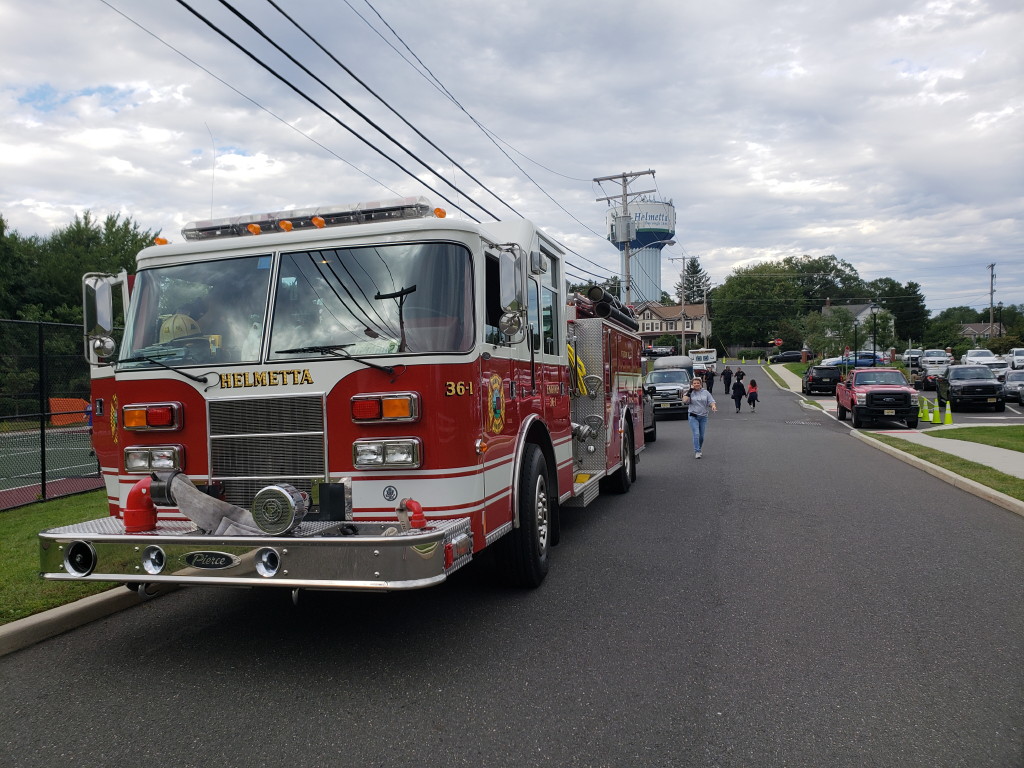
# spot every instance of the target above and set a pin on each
(210, 560)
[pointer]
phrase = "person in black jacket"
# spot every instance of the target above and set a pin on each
(727, 378)
(738, 393)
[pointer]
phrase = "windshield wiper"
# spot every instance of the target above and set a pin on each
(157, 361)
(338, 350)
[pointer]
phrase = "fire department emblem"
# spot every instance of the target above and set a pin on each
(495, 404)
(113, 418)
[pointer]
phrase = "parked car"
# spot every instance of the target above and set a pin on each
(867, 394)
(927, 375)
(823, 378)
(1016, 358)
(789, 356)
(650, 422)
(969, 385)
(1013, 386)
(863, 359)
(912, 358)
(977, 357)
(670, 380)
(934, 357)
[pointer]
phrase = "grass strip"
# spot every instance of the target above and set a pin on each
(1011, 438)
(979, 473)
(775, 377)
(22, 591)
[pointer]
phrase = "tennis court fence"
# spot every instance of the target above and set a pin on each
(45, 416)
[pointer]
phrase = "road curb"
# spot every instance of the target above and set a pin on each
(34, 629)
(958, 481)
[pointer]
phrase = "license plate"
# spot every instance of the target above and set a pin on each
(662, 405)
(991, 400)
(889, 412)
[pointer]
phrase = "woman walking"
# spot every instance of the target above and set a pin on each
(701, 403)
(752, 395)
(738, 393)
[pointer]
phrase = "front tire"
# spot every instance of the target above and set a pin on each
(912, 423)
(840, 411)
(523, 553)
(856, 419)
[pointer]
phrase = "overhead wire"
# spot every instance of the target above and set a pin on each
(248, 22)
(394, 111)
(248, 98)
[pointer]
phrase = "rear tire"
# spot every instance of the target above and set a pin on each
(523, 554)
(622, 478)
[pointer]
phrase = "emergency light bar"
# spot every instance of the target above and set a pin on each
(307, 218)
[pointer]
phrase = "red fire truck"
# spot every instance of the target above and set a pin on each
(353, 397)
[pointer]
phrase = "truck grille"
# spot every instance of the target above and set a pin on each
(888, 399)
(980, 389)
(254, 443)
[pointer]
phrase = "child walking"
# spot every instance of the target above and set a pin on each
(752, 395)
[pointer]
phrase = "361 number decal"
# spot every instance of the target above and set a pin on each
(458, 388)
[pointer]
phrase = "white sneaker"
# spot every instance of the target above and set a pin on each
(696, 455)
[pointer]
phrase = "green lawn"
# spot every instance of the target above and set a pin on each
(979, 473)
(1011, 438)
(22, 591)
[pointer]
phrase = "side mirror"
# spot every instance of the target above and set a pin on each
(512, 294)
(98, 317)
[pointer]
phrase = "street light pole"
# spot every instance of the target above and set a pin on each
(874, 334)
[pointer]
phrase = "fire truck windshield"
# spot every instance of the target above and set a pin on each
(379, 300)
(198, 313)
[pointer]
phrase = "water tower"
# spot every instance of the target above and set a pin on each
(646, 228)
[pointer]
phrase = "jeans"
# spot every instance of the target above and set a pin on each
(698, 425)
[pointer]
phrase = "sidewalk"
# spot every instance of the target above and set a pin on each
(1001, 459)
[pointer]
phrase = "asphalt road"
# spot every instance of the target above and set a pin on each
(794, 598)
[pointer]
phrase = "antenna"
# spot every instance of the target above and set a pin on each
(213, 167)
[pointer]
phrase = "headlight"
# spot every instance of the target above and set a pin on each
(385, 454)
(139, 459)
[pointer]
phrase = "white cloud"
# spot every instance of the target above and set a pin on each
(887, 132)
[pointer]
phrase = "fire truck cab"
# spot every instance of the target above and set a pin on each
(349, 397)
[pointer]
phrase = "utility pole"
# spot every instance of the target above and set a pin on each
(991, 293)
(624, 179)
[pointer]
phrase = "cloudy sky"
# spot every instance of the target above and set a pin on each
(887, 132)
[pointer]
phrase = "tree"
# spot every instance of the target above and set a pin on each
(820, 278)
(906, 304)
(693, 283)
(754, 302)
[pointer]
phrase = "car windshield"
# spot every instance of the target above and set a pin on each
(407, 297)
(934, 353)
(881, 377)
(1015, 376)
(974, 372)
(980, 353)
(824, 370)
(668, 377)
(198, 313)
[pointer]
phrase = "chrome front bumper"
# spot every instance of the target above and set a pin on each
(317, 555)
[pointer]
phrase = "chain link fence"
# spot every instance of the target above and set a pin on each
(45, 416)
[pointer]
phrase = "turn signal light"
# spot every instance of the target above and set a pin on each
(156, 416)
(397, 406)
